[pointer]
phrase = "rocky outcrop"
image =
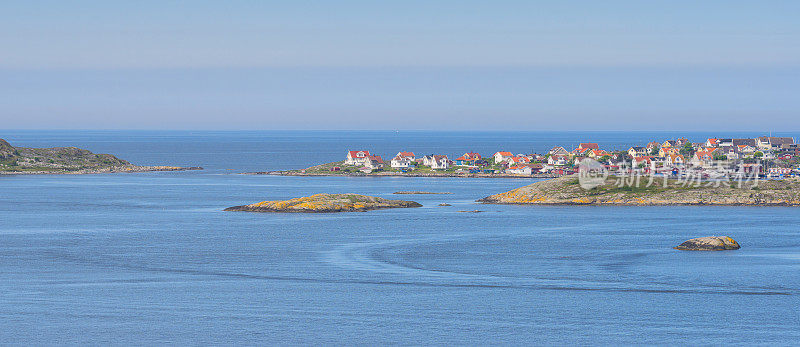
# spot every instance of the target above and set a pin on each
(568, 191)
(326, 203)
(709, 243)
(6, 150)
(67, 160)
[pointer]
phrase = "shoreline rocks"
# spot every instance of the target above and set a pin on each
(568, 191)
(326, 203)
(709, 243)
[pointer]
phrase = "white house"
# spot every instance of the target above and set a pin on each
(356, 157)
(767, 143)
(374, 162)
(427, 160)
(440, 162)
(500, 157)
(675, 160)
(557, 160)
(520, 170)
(637, 151)
(401, 162)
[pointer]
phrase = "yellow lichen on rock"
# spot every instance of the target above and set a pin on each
(325, 203)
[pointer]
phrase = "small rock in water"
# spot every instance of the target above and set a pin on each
(473, 211)
(709, 243)
(443, 204)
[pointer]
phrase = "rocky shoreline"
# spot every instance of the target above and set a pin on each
(567, 191)
(124, 169)
(326, 203)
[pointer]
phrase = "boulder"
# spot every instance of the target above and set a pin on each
(709, 243)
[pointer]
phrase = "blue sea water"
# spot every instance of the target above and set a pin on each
(150, 258)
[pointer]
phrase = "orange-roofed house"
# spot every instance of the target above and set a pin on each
(501, 157)
(409, 155)
(518, 161)
(703, 158)
(665, 151)
(712, 143)
(468, 159)
(580, 151)
(597, 153)
(676, 160)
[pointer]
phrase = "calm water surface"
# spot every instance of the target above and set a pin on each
(151, 258)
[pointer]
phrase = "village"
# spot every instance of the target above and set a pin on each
(766, 156)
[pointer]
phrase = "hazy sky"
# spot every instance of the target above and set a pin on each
(527, 65)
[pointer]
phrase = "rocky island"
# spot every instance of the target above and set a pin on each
(67, 160)
(709, 243)
(326, 203)
(568, 191)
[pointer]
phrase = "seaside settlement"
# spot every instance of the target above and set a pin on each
(765, 156)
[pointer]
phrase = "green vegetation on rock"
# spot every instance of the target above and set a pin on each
(22, 160)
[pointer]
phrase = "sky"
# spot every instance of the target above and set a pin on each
(429, 65)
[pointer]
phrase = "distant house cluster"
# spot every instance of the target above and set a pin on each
(681, 153)
(658, 156)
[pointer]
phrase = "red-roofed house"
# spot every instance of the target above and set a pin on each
(357, 157)
(589, 145)
(712, 143)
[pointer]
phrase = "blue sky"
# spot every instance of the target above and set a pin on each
(460, 65)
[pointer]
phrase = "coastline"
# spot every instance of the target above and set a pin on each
(401, 174)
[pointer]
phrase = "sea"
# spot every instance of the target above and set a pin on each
(151, 258)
